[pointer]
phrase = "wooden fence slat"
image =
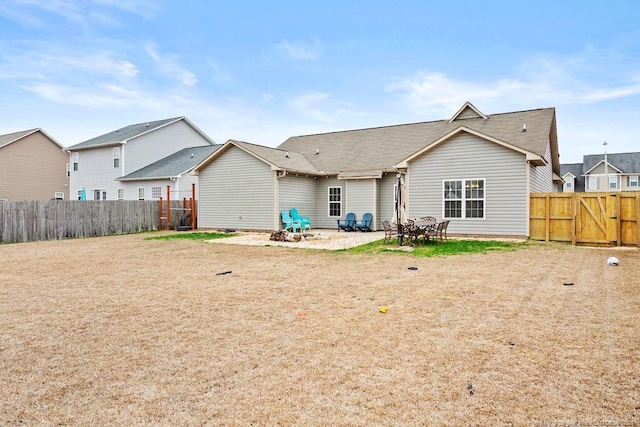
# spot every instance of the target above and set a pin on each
(586, 218)
(22, 221)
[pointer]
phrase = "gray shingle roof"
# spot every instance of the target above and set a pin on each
(626, 162)
(129, 132)
(576, 170)
(283, 159)
(383, 147)
(176, 164)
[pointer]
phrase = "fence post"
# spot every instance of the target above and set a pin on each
(547, 214)
(574, 217)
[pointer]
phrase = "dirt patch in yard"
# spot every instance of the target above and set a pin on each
(127, 331)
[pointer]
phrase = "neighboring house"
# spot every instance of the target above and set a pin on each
(99, 166)
(620, 172)
(33, 166)
(477, 170)
(151, 181)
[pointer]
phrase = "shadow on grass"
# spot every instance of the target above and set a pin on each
(449, 247)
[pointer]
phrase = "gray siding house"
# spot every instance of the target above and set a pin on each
(105, 166)
(476, 170)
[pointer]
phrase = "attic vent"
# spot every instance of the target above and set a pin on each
(524, 128)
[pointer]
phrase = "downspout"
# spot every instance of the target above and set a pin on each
(528, 201)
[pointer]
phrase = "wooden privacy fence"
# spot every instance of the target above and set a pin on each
(607, 219)
(25, 221)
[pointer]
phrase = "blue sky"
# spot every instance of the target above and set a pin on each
(263, 71)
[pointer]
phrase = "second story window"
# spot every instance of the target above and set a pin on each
(76, 158)
(116, 157)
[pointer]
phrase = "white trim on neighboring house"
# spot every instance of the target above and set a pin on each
(533, 158)
(633, 181)
(568, 182)
(609, 165)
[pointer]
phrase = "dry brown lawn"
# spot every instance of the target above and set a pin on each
(127, 331)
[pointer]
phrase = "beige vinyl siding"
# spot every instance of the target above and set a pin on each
(361, 197)
(236, 191)
(33, 168)
(470, 157)
(541, 177)
(322, 201)
(385, 199)
(298, 192)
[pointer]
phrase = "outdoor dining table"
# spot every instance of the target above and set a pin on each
(420, 227)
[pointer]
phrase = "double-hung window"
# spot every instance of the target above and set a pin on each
(593, 182)
(632, 181)
(156, 192)
(335, 201)
(76, 159)
(116, 157)
(140, 193)
(464, 198)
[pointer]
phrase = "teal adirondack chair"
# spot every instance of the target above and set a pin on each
(349, 222)
(305, 221)
(365, 224)
(290, 223)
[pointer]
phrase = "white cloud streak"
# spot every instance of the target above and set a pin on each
(300, 51)
(168, 65)
(542, 81)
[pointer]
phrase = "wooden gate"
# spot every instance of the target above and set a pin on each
(586, 218)
(596, 219)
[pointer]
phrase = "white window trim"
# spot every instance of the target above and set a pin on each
(592, 179)
(615, 180)
(58, 195)
(464, 199)
(139, 192)
(120, 193)
(116, 156)
(329, 202)
(634, 181)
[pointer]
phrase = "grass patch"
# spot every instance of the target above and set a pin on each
(192, 236)
(449, 247)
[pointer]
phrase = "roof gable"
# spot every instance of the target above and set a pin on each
(16, 136)
(608, 164)
(624, 162)
(532, 157)
(277, 159)
(467, 111)
(127, 133)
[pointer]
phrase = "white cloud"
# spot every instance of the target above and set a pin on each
(168, 65)
(539, 81)
(300, 51)
(307, 105)
(83, 13)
